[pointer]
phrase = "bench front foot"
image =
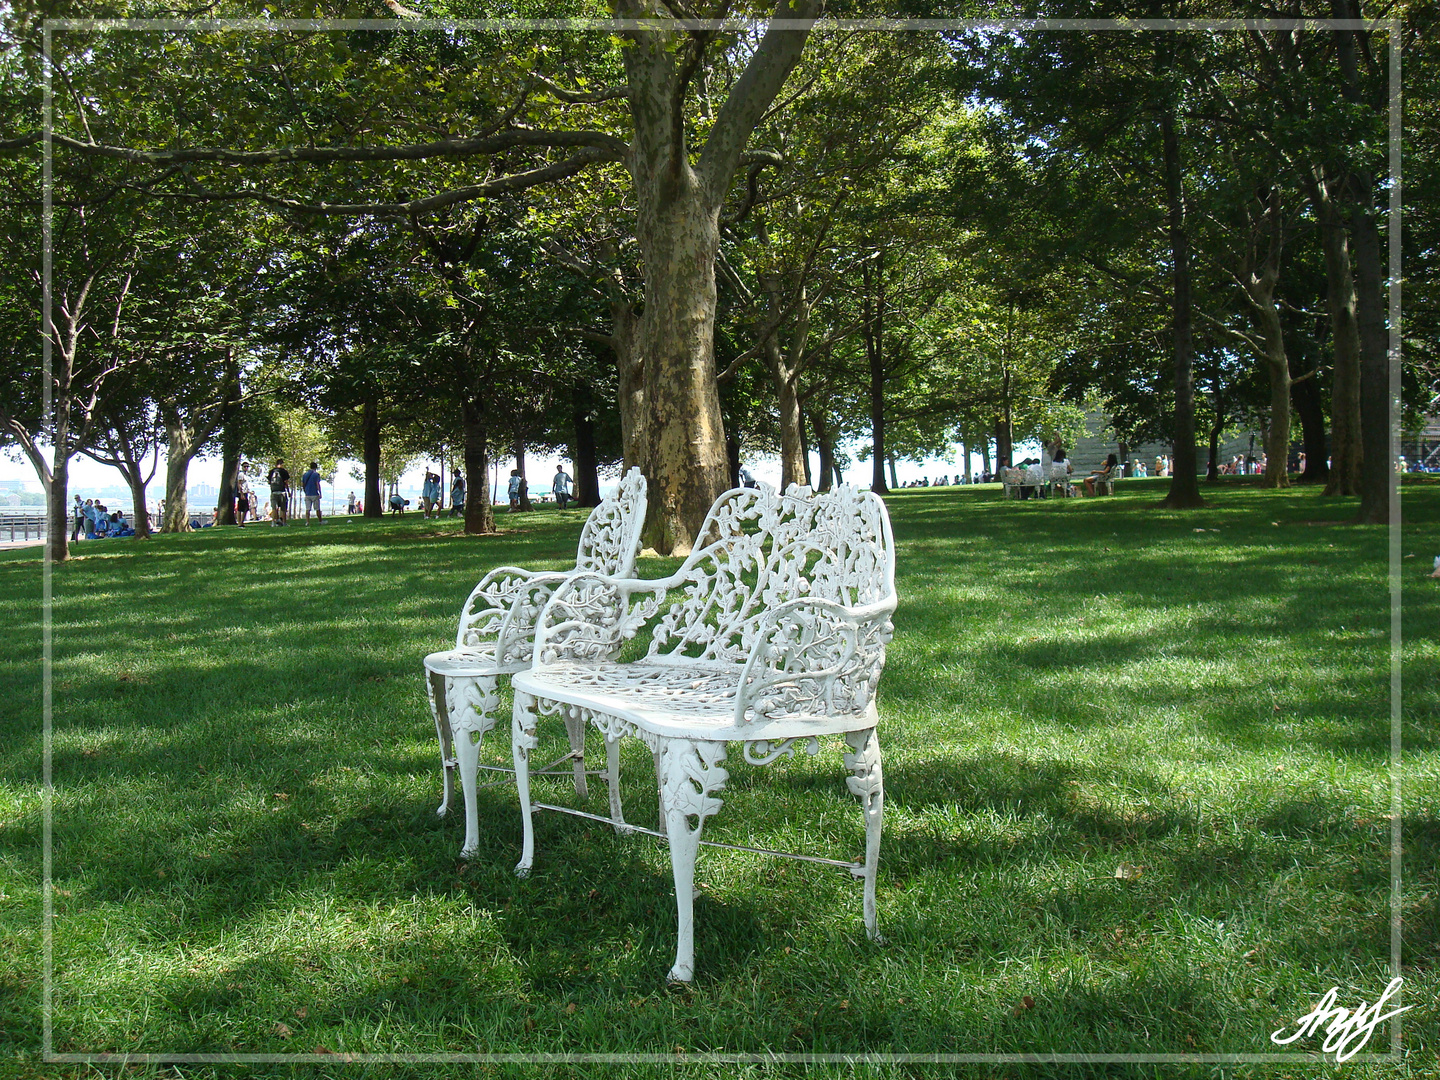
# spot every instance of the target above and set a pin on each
(522, 741)
(868, 782)
(473, 704)
(440, 710)
(689, 772)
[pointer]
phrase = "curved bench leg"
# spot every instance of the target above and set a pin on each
(475, 701)
(868, 782)
(440, 710)
(689, 772)
(575, 729)
(522, 741)
(612, 777)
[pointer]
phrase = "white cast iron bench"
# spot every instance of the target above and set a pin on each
(771, 634)
(495, 638)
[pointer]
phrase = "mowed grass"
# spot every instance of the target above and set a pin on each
(1137, 803)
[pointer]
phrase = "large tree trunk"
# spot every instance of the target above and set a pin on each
(684, 455)
(1184, 482)
(1345, 445)
(582, 451)
(370, 449)
(479, 512)
(678, 201)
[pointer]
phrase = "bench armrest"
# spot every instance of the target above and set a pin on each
(590, 616)
(504, 607)
(815, 656)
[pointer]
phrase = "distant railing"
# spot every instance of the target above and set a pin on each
(14, 526)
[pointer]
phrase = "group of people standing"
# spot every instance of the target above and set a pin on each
(278, 481)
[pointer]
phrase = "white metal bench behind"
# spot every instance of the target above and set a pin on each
(771, 634)
(496, 635)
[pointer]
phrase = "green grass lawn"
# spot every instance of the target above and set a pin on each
(1137, 802)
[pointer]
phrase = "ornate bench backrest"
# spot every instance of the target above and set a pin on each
(512, 600)
(611, 537)
(765, 549)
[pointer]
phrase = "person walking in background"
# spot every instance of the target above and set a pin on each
(350, 506)
(513, 490)
(457, 495)
(310, 485)
(77, 530)
(279, 480)
(430, 494)
(242, 502)
(561, 487)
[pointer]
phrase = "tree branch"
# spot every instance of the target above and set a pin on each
(514, 182)
(615, 149)
(763, 78)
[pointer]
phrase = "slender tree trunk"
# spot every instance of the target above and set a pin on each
(805, 450)
(583, 454)
(479, 512)
(370, 449)
(1004, 447)
(894, 480)
(792, 440)
(1184, 482)
(965, 456)
(1212, 466)
(985, 456)
(1305, 396)
(630, 371)
(179, 450)
(732, 458)
(524, 480)
(874, 316)
(229, 443)
(57, 513)
(1376, 460)
(825, 448)
(140, 519)
(1345, 445)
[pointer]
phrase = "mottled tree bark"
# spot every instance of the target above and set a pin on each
(678, 200)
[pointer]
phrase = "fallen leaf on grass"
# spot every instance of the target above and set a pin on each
(283, 1030)
(1128, 871)
(570, 1008)
(302, 1012)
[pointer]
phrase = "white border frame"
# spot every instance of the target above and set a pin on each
(1392, 26)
